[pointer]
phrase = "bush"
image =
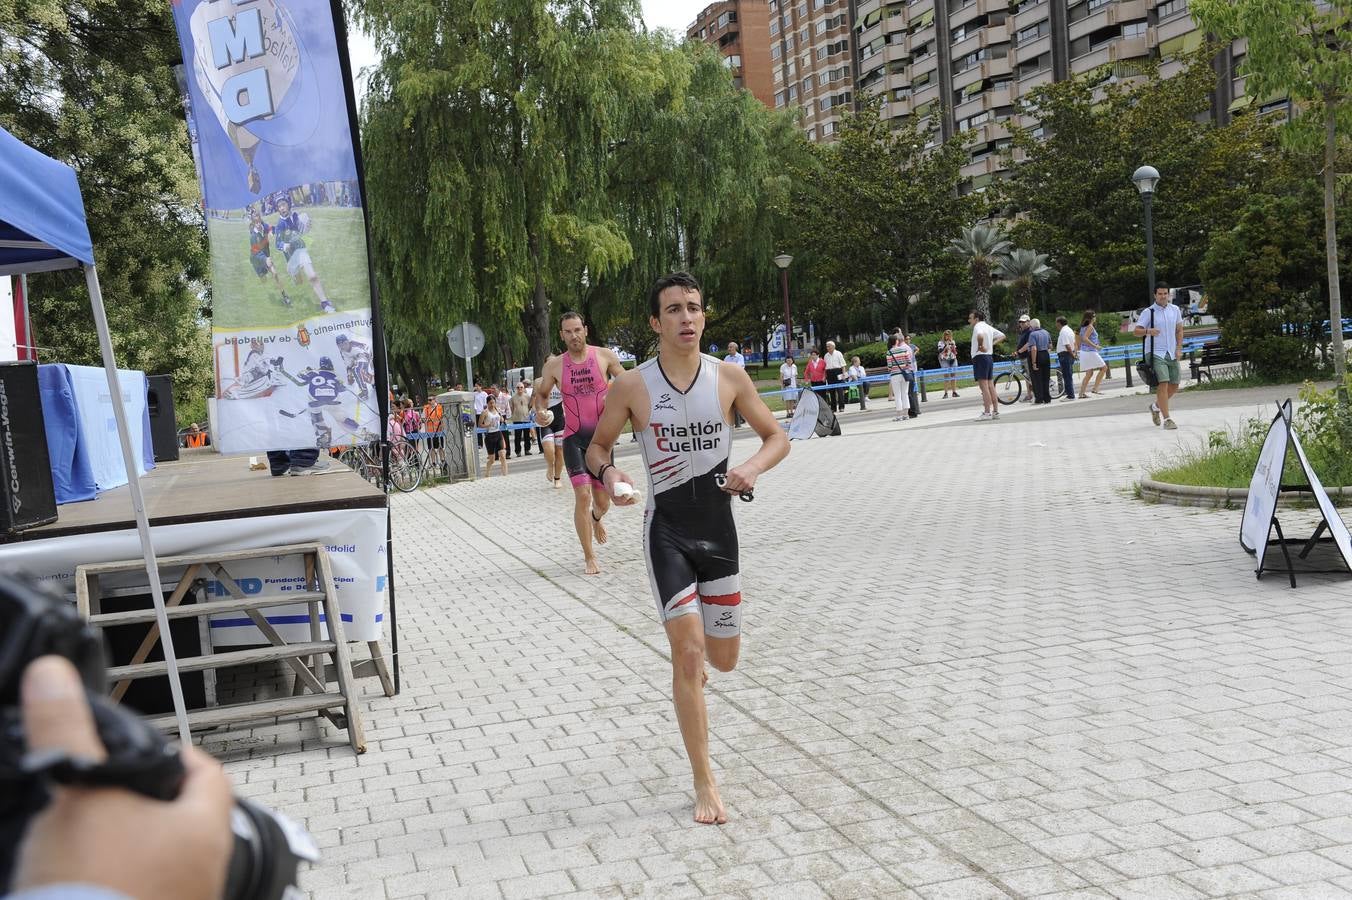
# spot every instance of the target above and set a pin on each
(1322, 422)
(871, 356)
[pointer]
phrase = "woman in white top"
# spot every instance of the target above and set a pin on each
(948, 361)
(1090, 359)
(490, 420)
(788, 381)
(858, 374)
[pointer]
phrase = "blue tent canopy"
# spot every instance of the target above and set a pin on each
(42, 220)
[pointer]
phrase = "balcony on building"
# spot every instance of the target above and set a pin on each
(960, 12)
(980, 32)
(987, 165)
(925, 93)
(920, 25)
(1091, 16)
(868, 8)
(928, 62)
(1030, 12)
(863, 34)
(1037, 41)
(1034, 73)
(1173, 20)
(1114, 43)
(1173, 50)
(979, 95)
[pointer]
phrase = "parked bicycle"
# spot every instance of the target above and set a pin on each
(1010, 384)
(406, 465)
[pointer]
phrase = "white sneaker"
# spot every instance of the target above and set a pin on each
(983, 417)
(1064, 399)
(995, 415)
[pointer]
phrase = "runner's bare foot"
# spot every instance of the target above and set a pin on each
(558, 482)
(599, 530)
(706, 679)
(709, 806)
(592, 567)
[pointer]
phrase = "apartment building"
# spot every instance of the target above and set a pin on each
(740, 29)
(812, 60)
(969, 62)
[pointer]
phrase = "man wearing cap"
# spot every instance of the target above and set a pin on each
(1025, 332)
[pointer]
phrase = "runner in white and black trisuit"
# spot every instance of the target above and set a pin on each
(681, 404)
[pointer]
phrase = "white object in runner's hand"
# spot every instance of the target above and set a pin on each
(548, 416)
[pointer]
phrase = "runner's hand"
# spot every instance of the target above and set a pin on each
(613, 477)
(740, 480)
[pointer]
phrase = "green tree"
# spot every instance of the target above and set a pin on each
(1302, 49)
(699, 183)
(90, 84)
(487, 133)
(1263, 282)
(983, 248)
(1024, 270)
(873, 211)
(1073, 186)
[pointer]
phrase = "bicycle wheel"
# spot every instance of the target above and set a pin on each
(1008, 388)
(1058, 385)
(405, 467)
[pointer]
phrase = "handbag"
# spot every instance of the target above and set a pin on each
(1145, 368)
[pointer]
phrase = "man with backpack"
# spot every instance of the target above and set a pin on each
(1160, 326)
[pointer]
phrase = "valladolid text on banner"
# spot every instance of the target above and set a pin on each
(291, 300)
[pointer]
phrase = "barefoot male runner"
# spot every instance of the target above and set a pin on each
(681, 404)
(582, 373)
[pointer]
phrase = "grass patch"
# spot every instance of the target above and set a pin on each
(1227, 457)
(1234, 381)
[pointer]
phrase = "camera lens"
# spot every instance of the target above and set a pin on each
(268, 851)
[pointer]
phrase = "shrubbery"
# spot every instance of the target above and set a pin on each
(1323, 424)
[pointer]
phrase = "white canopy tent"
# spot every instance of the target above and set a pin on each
(43, 229)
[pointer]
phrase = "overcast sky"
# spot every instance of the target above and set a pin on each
(673, 14)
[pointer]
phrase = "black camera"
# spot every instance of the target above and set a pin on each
(34, 622)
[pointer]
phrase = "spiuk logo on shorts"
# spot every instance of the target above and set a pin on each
(689, 438)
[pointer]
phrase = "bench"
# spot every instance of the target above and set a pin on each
(1215, 355)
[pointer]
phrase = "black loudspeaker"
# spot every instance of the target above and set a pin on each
(163, 425)
(25, 467)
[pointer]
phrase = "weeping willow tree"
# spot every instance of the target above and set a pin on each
(699, 183)
(487, 132)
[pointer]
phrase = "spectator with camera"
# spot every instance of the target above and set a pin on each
(108, 843)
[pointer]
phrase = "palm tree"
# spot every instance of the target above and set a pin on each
(1023, 269)
(983, 247)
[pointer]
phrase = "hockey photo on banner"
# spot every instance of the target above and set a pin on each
(291, 302)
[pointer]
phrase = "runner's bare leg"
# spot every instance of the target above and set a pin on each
(600, 506)
(582, 522)
(686, 636)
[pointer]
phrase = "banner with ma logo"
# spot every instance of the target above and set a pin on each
(292, 331)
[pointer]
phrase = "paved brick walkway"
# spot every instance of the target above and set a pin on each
(974, 667)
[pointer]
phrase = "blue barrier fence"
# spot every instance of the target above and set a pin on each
(1124, 353)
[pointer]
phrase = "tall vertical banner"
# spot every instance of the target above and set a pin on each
(291, 323)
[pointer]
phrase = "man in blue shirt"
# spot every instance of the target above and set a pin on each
(1162, 324)
(1040, 361)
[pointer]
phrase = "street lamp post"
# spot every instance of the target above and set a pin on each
(1146, 177)
(783, 260)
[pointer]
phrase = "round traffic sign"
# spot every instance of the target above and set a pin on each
(466, 333)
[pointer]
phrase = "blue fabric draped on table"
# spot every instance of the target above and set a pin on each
(82, 431)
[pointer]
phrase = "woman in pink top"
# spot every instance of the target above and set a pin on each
(815, 371)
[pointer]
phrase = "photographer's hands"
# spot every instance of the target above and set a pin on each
(110, 837)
